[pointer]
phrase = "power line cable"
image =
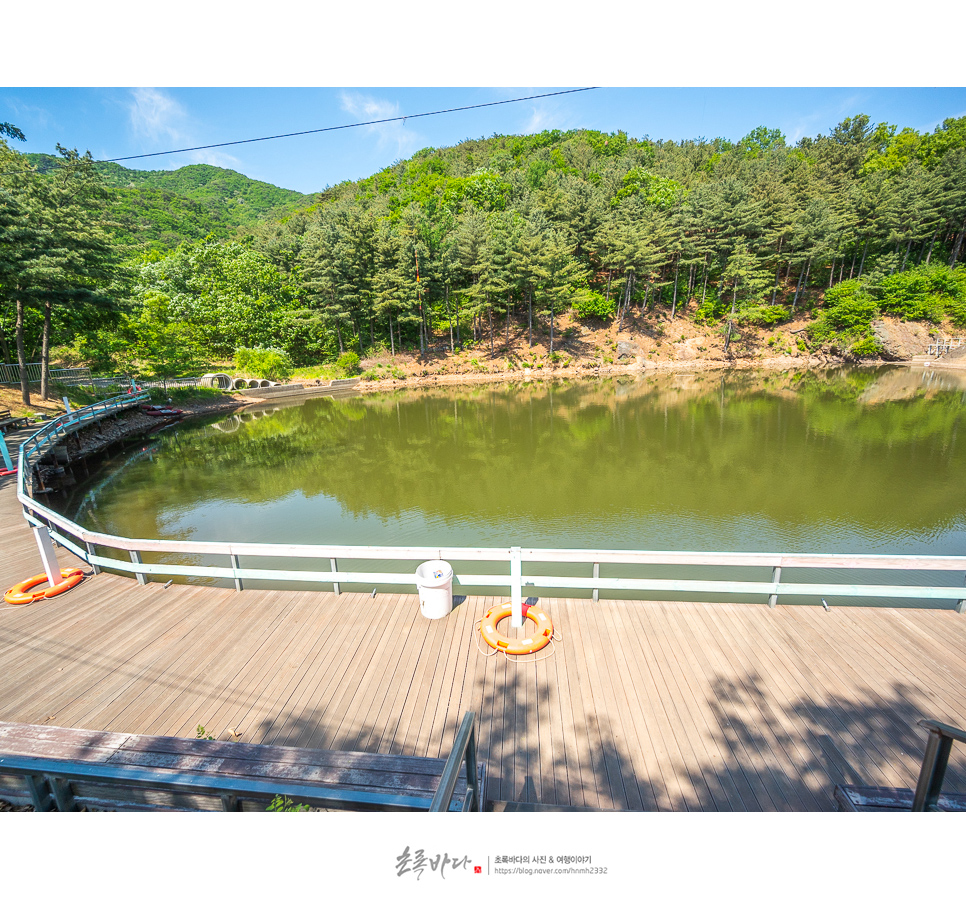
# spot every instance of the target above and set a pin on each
(359, 124)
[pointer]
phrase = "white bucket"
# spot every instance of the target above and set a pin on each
(434, 579)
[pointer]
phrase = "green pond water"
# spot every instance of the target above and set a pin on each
(840, 461)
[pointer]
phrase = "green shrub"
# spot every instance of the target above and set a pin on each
(589, 304)
(956, 311)
(847, 317)
(849, 305)
(864, 348)
(348, 364)
(265, 363)
(710, 312)
(184, 394)
(284, 803)
(908, 296)
(762, 315)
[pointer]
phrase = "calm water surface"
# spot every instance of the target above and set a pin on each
(838, 461)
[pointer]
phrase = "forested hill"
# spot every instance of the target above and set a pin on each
(493, 242)
(162, 208)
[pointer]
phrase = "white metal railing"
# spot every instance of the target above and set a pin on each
(89, 545)
(106, 383)
(10, 373)
(943, 346)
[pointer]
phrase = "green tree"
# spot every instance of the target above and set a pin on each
(560, 274)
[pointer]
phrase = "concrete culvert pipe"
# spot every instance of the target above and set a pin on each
(222, 381)
(239, 383)
(264, 383)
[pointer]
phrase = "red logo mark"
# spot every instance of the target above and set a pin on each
(478, 870)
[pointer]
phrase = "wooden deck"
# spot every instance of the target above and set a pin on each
(642, 706)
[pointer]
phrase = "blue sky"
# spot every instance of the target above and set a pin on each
(119, 121)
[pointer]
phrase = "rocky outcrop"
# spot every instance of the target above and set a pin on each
(900, 341)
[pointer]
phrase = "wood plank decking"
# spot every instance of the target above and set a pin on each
(642, 706)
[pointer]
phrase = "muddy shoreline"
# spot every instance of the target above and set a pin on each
(635, 368)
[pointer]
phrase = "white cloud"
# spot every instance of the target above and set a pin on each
(156, 116)
(210, 157)
(393, 134)
(38, 117)
(541, 119)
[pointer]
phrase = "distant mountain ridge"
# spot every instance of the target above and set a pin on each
(160, 208)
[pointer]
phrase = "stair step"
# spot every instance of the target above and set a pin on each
(534, 806)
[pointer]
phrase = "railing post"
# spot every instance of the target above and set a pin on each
(5, 453)
(90, 552)
(464, 751)
(596, 575)
(472, 774)
(933, 771)
(234, 568)
(48, 555)
(335, 585)
(136, 559)
(776, 577)
(516, 587)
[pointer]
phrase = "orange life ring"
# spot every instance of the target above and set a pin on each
(21, 593)
(493, 638)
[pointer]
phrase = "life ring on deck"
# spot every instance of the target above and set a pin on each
(22, 594)
(493, 638)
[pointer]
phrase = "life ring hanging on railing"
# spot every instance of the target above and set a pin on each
(496, 640)
(21, 593)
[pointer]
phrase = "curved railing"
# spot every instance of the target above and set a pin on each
(89, 545)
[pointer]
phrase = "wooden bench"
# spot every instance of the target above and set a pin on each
(64, 769)
(9, 421)
(928, 795)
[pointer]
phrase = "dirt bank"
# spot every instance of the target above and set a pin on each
(426, 376)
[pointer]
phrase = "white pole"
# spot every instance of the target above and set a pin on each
(48, 555)
(516, 587)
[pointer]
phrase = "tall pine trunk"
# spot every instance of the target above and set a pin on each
(5, 348)
(489, 313)
(627, 300)
(508, 325)
(802, 281)
(731, 318)
(674, 296)
(530, 312)
(957, 246)
(449, 316)
(21, 357)
(45, 355)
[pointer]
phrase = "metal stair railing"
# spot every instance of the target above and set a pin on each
(464, 751)
(934, 763)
